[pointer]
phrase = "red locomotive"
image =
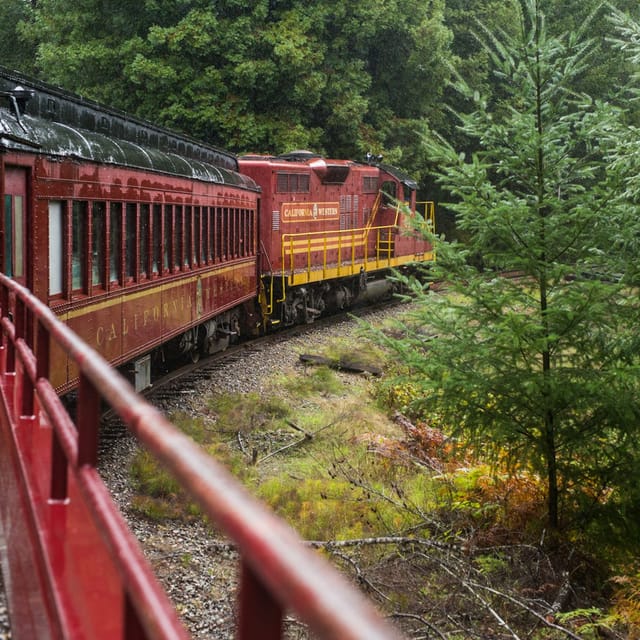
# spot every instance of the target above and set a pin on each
(148, 243)
(329, 232)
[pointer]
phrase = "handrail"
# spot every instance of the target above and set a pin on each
(278, 571)
(305, 242)
(428, 212)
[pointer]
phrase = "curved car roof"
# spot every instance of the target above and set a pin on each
(27, 133)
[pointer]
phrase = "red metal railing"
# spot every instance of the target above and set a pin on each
(72, 569)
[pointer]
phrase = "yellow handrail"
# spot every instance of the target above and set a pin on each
(305, 243)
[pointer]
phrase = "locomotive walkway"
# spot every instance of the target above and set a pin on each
(71, 567)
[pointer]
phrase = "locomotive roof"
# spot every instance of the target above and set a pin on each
(48, 120)
(337, 169)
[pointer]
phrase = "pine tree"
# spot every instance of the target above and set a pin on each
(541, 368)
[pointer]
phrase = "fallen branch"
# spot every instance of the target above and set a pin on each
(397, 540)
(471, 587)
(426, 623)
(343, 364)
(528, 609)
(241, 444)
(563, 595)
(307, 438)
(293, 425)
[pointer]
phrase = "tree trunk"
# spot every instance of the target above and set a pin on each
(552, 470)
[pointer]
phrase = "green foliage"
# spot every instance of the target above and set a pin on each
(253, 76)
(587, 622)
(317, 380)
(627, 601)
(491, 564)
(159, 496)
(320, 509)
(152, 479)
(544, 366)
(15, 51)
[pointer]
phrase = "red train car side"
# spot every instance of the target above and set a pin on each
(150, 244)
(133, 245)
(329, 231)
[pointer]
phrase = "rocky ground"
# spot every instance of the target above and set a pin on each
(197, 568)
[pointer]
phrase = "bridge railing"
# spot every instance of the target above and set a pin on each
(72, 568)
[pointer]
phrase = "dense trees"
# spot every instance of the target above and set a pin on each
(542, 369)
(270, 75)
(15, 52)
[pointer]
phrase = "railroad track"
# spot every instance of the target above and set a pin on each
(183, 379)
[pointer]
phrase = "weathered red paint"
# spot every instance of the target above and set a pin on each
(125, 321)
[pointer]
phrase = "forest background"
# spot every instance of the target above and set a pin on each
(338, 78)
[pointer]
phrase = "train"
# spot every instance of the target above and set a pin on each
(154, 246)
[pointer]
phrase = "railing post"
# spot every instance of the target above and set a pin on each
(87, 420)
(42, 352)
(133, 629)
(28, 388)
(260, 615)
(58, 487)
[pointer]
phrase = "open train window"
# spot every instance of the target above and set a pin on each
(143, 263)
(98, 227)
(198, 244)
(211, 245)
(177, 237)
(156, 239)
(115, 234)
(252, 232)
(188, 237)
(130, 241)
(235, 232)
(244, 234)
(78, 249)
(56, 244)
(14, 236)
(389, 191)
(168, 226)
(15, 222)
(220, 214)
